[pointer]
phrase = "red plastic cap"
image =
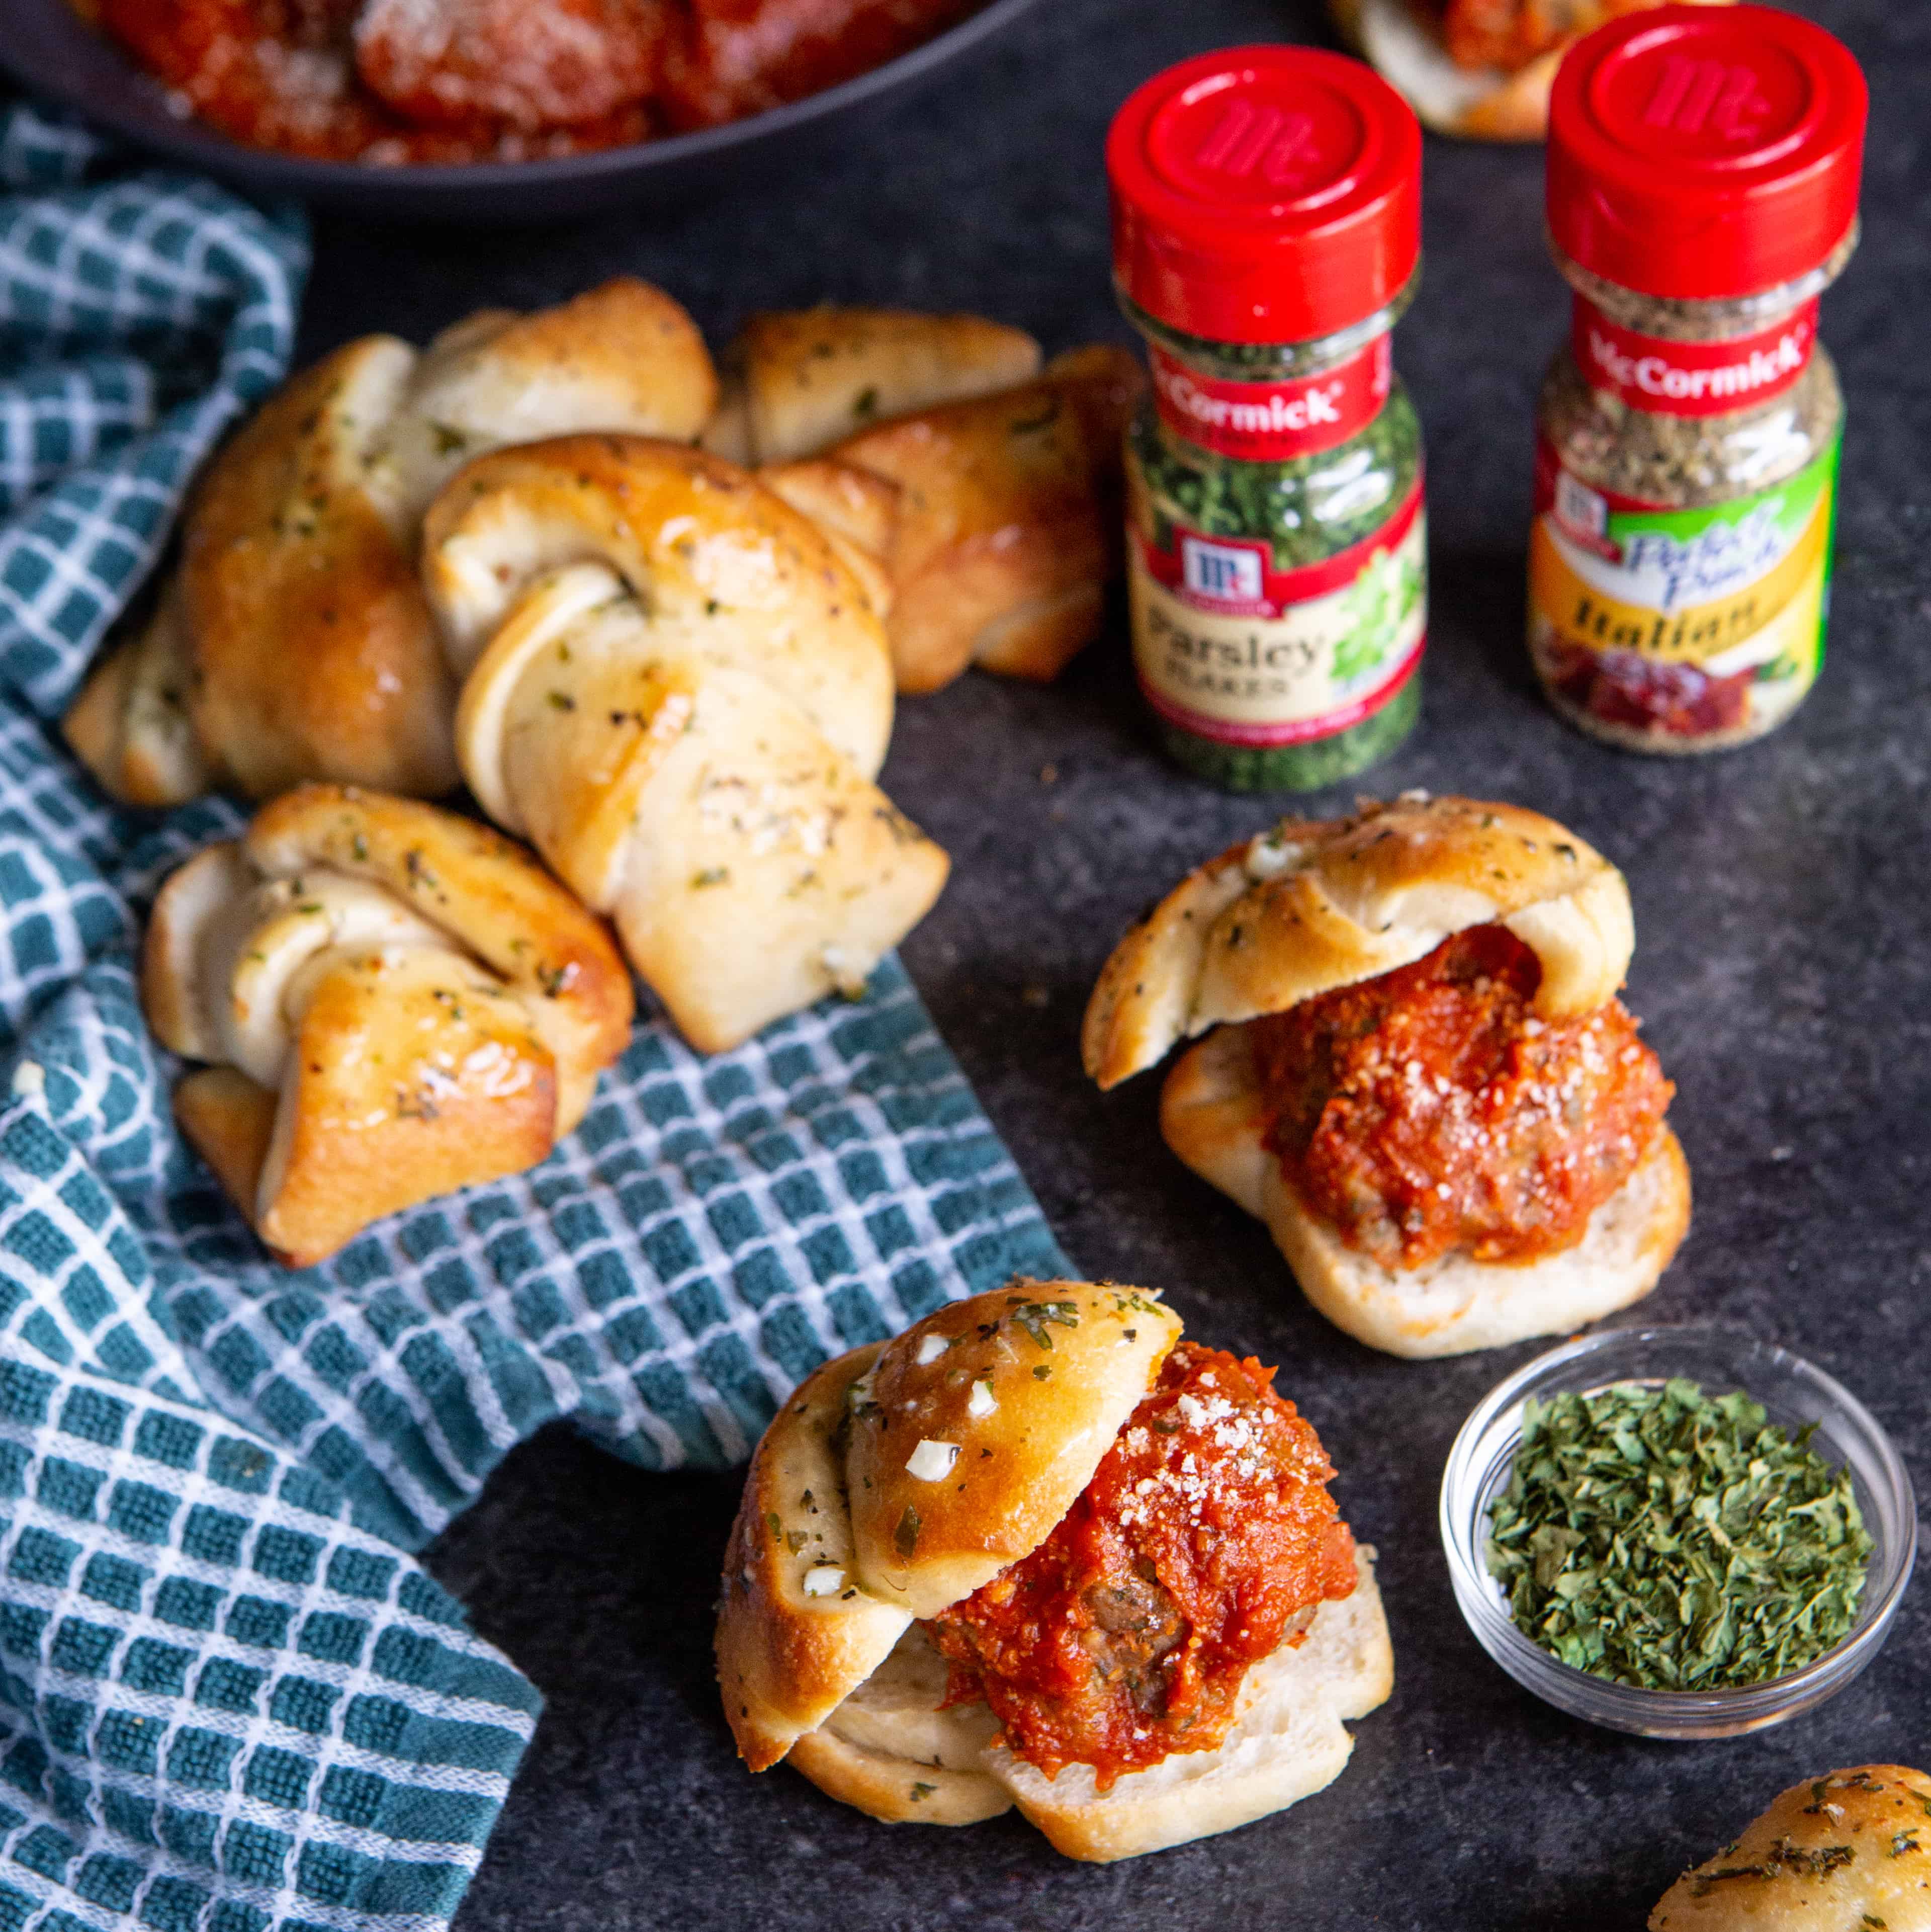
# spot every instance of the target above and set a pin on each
(1265, 194)
(1705, 152)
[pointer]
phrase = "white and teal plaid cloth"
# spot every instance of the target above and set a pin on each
(230, 1701)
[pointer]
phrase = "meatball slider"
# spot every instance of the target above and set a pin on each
(1482, 69)
(1416, 1070)
(1039, 1551)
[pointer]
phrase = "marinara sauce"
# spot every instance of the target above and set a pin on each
(1429, 1110)
(441, 82)
(1205, 1539)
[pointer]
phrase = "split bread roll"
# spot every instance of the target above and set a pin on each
(675, 688)
(1311, 908)
(727, 569)
(797, 381)
(1312, 905)
(394, 1002)
(848, 1533)
(294, 641)
(1500, 90)
(1851, 1849)
(995, 522)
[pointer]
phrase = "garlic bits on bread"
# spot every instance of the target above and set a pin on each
(995, 521)
(977, 492)
(1851, 1849)
(1479, 68)
(674, 687)
(391, 1003)
(796, 381)
(1415, 1069)
(1038, 1550)
(294, 641)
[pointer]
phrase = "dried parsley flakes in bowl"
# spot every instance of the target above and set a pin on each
(1664, 1537)
(1679, 1532)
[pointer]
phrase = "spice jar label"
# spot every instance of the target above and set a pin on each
(1230, 648)
(1705, 625)
(1273, 421)
(1691, 379)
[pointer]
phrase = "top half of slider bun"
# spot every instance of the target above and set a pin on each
(1030, 1386)
(1313, 905)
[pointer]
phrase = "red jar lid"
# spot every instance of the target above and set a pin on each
(1705, 153)
(1265, 194)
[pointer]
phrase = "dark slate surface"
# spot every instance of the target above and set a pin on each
(1780, 897)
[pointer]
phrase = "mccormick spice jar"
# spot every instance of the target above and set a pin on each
(1703, 172)
(1267, 233)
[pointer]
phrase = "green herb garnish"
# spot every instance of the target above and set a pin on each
(1034, 1316)
(1662, 1537)
(1785, 1855)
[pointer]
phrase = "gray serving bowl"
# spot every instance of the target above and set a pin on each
(51, 52)
(1794, 1394)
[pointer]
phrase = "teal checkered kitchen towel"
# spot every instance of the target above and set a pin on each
(228, 1700)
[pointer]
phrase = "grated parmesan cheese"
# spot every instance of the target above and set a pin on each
(932, 1461)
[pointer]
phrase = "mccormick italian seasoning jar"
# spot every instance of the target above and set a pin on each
(1703, 173)
(1266, 234)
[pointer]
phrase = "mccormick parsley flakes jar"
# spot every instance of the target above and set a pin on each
(1266, 234)
(1703, 175)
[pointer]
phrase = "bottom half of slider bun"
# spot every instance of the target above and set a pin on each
(890, 1749)
(1170, 1655)
(1214, 1114)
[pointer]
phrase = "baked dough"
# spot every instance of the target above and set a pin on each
(677, 693)
(295, 641)
(1850, 1849)
(394, 1002)
(820, 1659)
(799, 380)
(995, 522)
(730, 573)
(1312, 905)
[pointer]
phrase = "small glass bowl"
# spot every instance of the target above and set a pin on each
(1794, 1393)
